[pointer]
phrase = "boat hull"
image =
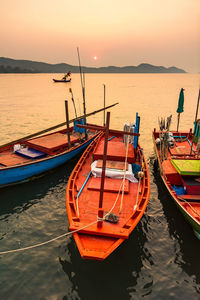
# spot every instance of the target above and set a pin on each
(94, 242)
(26, 171)
(57, 80)
(189, 210)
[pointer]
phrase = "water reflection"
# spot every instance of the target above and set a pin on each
(21, 197)
(114, 278)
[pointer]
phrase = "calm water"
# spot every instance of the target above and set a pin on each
(161, 258)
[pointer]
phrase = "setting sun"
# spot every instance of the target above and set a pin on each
(95, 57)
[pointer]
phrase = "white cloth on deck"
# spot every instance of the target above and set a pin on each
(113, 173)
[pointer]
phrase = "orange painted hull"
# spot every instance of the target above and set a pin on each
(96, 242)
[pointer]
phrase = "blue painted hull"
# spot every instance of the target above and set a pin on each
(17, 174)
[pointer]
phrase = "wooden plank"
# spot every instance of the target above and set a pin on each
(111, 164)
(108, 229)
(111, 185)
(10, 159)
(190, 197)
(116, 152)
(51, 143)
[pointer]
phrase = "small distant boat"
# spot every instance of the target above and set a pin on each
(107, 192)
(178, 157)
(62, 80)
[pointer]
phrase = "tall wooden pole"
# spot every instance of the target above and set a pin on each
(100, 212)
(67, 122)
(104, 104)
(197, 106)
(70, 90)
(178, 119)
(82, 75)
(195, 124)
(84, 106)
(54, 127)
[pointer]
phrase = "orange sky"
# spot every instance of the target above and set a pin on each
(120, 32)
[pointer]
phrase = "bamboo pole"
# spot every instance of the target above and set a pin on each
(113, 131)
(197, 109)
(197, 106)
(82, 75)
(70, 90)
(178, 119)
(67, 121)
(104, 104)
(55, 127)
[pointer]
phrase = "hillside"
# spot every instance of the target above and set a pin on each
(8, 65)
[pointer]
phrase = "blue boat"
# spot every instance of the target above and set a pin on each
(20, 162)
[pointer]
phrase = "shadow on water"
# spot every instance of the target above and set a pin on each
(20, 197)
(114, 278)
(180, 230)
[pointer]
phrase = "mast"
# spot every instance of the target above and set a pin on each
(82, 75)
(100, 211)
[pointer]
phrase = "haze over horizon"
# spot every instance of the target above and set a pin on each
(123, 33)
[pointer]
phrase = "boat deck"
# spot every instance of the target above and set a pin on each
(94, 242)
(180, 171)
(38, 148)
(53, 143)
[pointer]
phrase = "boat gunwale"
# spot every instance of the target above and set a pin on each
(48, 157)
(171, 192)
(136, 215)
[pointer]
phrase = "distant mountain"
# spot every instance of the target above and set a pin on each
(8, 65)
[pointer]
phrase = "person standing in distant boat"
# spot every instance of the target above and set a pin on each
(66, 75)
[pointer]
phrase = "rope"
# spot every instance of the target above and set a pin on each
(124, 177)
(194, 210)
(49, 241)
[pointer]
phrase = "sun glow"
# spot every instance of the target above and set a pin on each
(95, 57)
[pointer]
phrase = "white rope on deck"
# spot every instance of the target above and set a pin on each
(125, 164)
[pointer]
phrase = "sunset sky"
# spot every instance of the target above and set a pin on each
(107, 32)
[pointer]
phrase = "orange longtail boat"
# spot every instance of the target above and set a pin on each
(108, 191)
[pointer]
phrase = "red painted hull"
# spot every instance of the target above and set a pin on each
(183, 187)
(95, 242)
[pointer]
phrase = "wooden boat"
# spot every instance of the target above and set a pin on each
(178, 160)
(23, 159)
(62, 80)
(104, 199)
(20, 162)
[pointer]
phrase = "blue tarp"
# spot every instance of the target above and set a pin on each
(179, 190)
(81, 122)
(30, 153)
(136, 168)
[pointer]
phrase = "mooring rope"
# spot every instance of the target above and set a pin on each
(49, 241)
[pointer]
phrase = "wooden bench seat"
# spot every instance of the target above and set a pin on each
(110, 185)
(115, 151)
